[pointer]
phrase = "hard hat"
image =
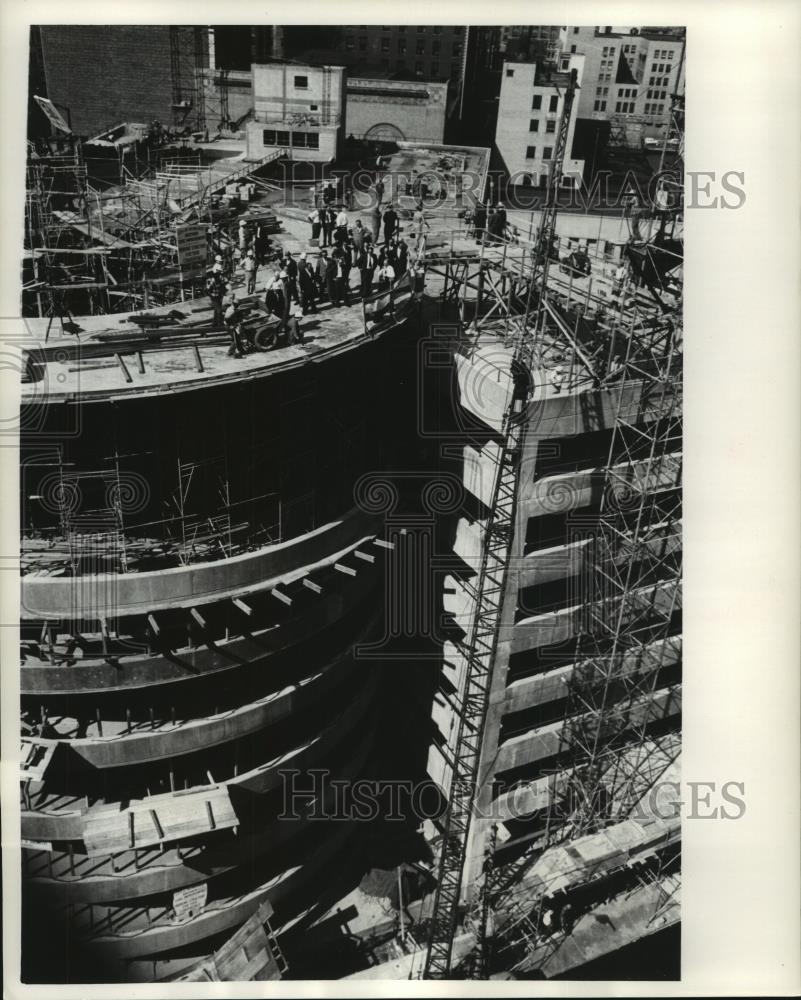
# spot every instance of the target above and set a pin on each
(218, 259)
(250, 253)
(284, 274)
(303, 256)
(217, 268)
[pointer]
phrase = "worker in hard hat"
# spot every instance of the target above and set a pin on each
(215, 289)
(250, 267)
(232, 320)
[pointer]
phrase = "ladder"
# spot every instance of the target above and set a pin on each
(479, 655)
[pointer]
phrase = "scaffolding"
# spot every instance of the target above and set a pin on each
(187, 61)
(578, 332)
(480, 645)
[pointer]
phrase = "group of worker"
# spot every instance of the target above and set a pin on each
(308, 284)
(330, 226)
(489, 223)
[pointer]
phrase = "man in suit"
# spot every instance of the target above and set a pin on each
(390, 223)
(327, 219)
(358, 236)
(341, 277)
(331, 286)
(375, 218)
(307, 286)
(291, 268)
(402, 258)
(321, 272)
(367, 265)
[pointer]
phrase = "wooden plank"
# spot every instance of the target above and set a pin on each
(347, 570)
(364, 556)
(198, 617)
(312, 585)
(246, 608)
(281, 596)
(382, 544)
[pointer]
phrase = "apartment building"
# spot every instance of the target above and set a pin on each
(627, 71)
(534, 94)
(433, 52)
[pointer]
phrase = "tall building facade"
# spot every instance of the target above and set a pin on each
(627, 72)
(533, 94)
(426, 51)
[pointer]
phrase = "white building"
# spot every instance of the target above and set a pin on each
(628, 72)
(298, 108)
(529, 109)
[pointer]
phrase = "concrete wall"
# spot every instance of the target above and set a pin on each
(412, 110)
(279, 91)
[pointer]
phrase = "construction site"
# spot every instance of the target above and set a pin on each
(434, 541)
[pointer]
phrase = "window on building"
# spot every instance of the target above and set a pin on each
(605, 52)
(531, 152)
(456, 69)
(421, 46)
(312, 107)
(282, 138)
(573, 48)
(350, 43)
(435, 48)
(553, 104)
(385, 45)
(575, 31)
(362, 43)
(402, 47)
(565, 64)
(659, 108)
(418, 68)
(536, 104)
(420, 29)
(301, 83)
(268, 137)
(550, 126)
(510, 72)
(402, 29)
(670, 54)
(384, 64)
(547, 152)
(599, 106)
(313, 140)
(534, 125)
(435, 69)
(437, 29)
(457, 48)
(617, 108)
